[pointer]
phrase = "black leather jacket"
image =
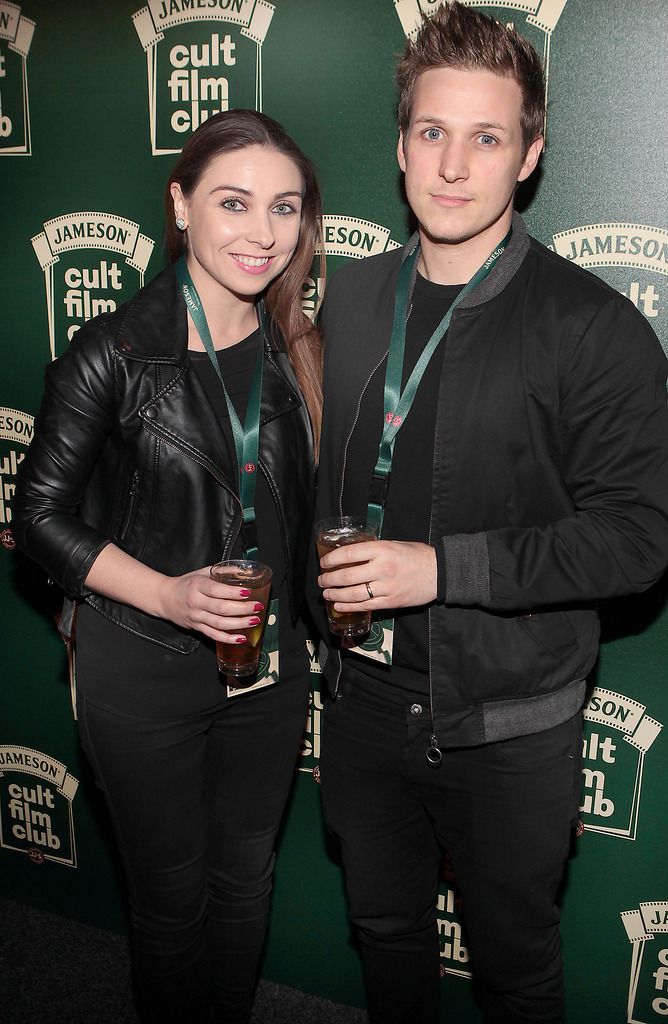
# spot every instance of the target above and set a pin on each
(127, 449)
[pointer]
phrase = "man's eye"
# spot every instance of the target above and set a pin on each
(433, 134)
(487, 140)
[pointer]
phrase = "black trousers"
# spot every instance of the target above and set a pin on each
(196, 802)
(503, 811)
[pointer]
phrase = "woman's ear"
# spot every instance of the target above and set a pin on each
(179, 200)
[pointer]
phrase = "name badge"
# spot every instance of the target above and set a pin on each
(378, 643)
(267, 668)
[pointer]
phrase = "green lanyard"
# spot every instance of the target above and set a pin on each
(397, 403)
(246, 438)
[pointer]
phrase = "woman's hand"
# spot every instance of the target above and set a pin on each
(399, 574)
(195, 601)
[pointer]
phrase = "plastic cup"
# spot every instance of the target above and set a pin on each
(242, 659)
(338, 532)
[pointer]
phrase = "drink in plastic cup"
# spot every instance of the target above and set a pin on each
(242, 659)
(337, 532)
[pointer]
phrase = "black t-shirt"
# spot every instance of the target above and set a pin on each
(409, 495)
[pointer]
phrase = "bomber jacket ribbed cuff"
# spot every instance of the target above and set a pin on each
(440, 572)
(466, 568)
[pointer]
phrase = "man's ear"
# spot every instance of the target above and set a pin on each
(401, 156)
(531, 158)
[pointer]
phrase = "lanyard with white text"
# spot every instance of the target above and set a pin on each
(397, 403)
(246, 438)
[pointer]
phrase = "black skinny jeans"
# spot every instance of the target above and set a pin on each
(503, 811)
(196, 804)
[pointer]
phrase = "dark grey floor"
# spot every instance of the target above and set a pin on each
(55, 971)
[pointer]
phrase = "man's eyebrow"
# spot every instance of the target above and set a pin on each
(478, 126)
(482, 125)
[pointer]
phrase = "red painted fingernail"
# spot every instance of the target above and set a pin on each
(243, 592)
(240, 640)
(258, 607)
(254, 621)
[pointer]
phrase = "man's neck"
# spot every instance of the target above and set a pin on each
(457, 262)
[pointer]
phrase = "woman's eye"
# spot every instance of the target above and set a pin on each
(235, 205)
(283, 209)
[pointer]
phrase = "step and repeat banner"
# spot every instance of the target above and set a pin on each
(96, 100)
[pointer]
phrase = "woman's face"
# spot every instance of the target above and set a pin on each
(242, 220)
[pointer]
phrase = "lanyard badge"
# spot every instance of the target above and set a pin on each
(377, 646)
(397, 403)
(246, 447)
(246, 437)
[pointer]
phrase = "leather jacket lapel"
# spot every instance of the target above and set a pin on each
(182, 416)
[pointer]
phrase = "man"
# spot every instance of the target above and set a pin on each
(526, 480)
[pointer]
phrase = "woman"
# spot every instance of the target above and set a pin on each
(129, 493)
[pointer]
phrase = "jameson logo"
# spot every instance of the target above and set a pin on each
(83, 275)
(453, 949)
(615, 245)
(310, 748)
(535, 19)
(647, 931)
(633, 258)
(16, 32)
(16, 430)
(36, 794)
(347, 237)
(617, 735)
(202, 57)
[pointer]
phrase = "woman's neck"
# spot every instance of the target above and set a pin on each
(230, 317)
(223, 335)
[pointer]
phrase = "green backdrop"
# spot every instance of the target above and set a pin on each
(95, 99)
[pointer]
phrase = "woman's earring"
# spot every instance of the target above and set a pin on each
(180, 223)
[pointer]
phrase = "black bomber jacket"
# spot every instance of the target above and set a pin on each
(549, 479)
(127, 449)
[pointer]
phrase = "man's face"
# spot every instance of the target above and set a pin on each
(463, 154)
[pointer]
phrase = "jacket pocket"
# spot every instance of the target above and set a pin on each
(552, 631)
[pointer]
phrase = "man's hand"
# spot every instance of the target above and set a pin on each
(399, 574)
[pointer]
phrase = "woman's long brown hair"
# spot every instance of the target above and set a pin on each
(237, 129)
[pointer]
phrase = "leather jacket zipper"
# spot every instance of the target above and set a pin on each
(191, 454)
(129, 514)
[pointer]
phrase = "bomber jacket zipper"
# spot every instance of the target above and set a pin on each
(343, 477)
(350, 434)
(433, 749)
(434, 755)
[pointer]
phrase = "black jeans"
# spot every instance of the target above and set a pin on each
(503, 811)
(196, 804)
